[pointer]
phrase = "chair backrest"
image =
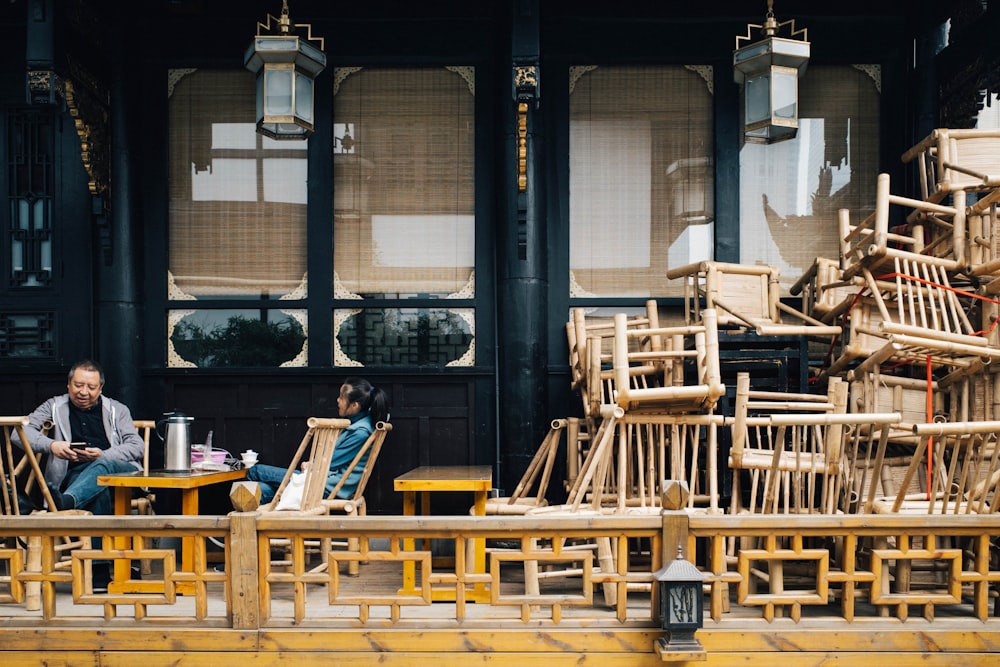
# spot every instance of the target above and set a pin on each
(590, 343)
(802, 444)
(744, 296)
(935, 233)
(541, 463)
(319, 441)
(372, 447)
(963, 474)
(956, 159)
(8, 464)
(145, 427)
(696, 345)
(19, 470)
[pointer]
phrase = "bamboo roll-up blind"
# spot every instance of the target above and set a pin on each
(237, 200)
(404, 190)
(641, 177)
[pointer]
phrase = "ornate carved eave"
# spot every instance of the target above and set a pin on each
(969, 68)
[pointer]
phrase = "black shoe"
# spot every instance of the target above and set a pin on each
(62, 501)
(101, 577)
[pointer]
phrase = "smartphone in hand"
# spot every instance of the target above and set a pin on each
(78, 445)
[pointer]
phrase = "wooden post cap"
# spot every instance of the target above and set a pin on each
(245, 496)
(674, 495)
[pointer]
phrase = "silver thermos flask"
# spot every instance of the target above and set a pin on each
(176, 438)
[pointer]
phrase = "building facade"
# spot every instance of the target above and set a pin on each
(476, 170)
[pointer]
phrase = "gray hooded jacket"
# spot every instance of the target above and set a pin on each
(126, 443)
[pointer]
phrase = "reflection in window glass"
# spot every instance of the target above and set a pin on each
(404, 337)
(237, 199)
(404, 175)
(237, 338)
(790, 191)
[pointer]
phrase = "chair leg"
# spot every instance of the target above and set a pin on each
(531, 572)
(606, 558)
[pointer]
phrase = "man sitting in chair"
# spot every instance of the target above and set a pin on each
(364, 405)
(91, 435)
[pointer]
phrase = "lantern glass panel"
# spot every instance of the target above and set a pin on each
(784, 92)
(682, 604)
(260, 96)
(758, 98)
(304, 98)
(278, 91)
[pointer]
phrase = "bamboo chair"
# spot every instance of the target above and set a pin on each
(910, 315)
(667, 431)
(953, 160)
(934, 233)
(785, 460)
(520, 503)
(795, 448)
(590, 483)
(594, 378)
(367, 456)
(20, 471)
(791, 451)
(964, 472)
(682, 390)
(317, 444)
(322, 438)
(744, 296)
(984, 244)
(963, 478)
(590, 341)
(824, 292)
(537, 476)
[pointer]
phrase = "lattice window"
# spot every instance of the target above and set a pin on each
(27, 335)
(30, 198)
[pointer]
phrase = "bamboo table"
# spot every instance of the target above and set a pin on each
(428, 479)
(189, 483)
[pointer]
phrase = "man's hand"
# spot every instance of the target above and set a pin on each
(63, 450)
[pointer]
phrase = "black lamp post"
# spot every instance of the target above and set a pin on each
(681, 610)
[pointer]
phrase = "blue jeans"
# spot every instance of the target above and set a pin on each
(269, 478)
(81, 483)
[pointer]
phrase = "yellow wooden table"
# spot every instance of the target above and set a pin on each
(428, 479)
(189, 483)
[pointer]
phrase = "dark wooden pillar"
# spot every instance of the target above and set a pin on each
(522, 281)
(118, 267)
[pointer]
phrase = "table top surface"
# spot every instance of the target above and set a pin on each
(446, 478)
(171, 479)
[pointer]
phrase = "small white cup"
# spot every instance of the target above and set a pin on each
(249, 458)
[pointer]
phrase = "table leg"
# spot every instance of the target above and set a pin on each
(123, 506)
(477, 563)
(189, 507)
(409, 567)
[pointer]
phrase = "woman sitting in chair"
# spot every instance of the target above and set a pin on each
(364, 405)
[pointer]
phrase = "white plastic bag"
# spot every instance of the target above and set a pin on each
(291, 497)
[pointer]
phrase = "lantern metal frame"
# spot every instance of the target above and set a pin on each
(768, 66)
(286, 66)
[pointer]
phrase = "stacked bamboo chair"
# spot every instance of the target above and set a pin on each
(745, 295)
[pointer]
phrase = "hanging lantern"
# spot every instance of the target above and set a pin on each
(769, 71)
(286, 66)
